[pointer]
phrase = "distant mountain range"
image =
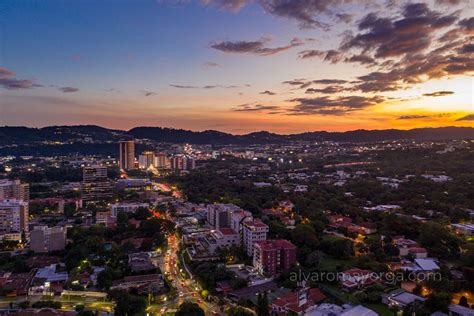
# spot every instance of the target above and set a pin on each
(76, 134)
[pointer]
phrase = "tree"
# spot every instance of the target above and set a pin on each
(127, 304)
(438, 302)
(189, 309)
(439, 241)
(262, 305)
(463, 301)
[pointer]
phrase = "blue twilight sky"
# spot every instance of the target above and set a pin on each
(223, 64)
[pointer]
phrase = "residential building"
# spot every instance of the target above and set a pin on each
(182, 162)
(127, 155)
(219, 215)
(14, 189)
(46, 239)
(146, 159)
(162, 161)
(356, 278)
(106, 219)
(253, 231)
(297, 302)
(127, 207)
(95, 184)
(13, 216)
(238, 218)
(273, 256)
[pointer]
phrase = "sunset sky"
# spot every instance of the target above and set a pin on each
(238, 66)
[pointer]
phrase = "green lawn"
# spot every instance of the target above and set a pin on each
(331, 238)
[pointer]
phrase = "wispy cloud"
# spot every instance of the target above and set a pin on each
(148, 93)
(438, 94)
(68, 89)
(268, 92)
(252, 107)
(258, 47)
(8, 81)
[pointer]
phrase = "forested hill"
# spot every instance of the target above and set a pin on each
(91, 133)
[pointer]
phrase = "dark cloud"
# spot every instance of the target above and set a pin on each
(306, 54)
(148, 93)
(362, 59)
(326, 90)
(257, 47)
(467, 25)
(438, 94)
(467, 49)
(333, 106)
(469, 117)
(68, 89)
(329, 81)
(305, 12)
(410, 34)
(344, 17)
(332, 56)
(268, 92)
(8, 81)
(249, 107)
(412, 117)
(207, 87)
(301, 83)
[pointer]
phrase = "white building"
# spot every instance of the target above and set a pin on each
(253, 231)
(14, 189)
(219, 215)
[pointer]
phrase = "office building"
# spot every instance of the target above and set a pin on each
(14, 189)
(253, 231)
(273, 256)
(46, 239)
(127, 155)
(95, 185)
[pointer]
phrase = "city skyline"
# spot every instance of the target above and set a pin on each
(238, 66)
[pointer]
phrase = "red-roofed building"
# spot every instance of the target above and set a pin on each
(273, 256)
(297, 303)
(356, 278)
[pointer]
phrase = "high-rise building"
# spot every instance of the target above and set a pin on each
(46, 239)
(146, 159)
(253, 231)
(14, 189)
(95, 184)
(219, 215)
(273, 256)
(127, 155)
(162, 161)
(13, 216)
(182, 162)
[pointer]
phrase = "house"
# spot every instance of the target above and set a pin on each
(298, 302)
(356, 278)
(399, 298)
(359, 310)
(418, 252)
(458, 310)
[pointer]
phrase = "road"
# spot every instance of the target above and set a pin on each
(187, 289)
